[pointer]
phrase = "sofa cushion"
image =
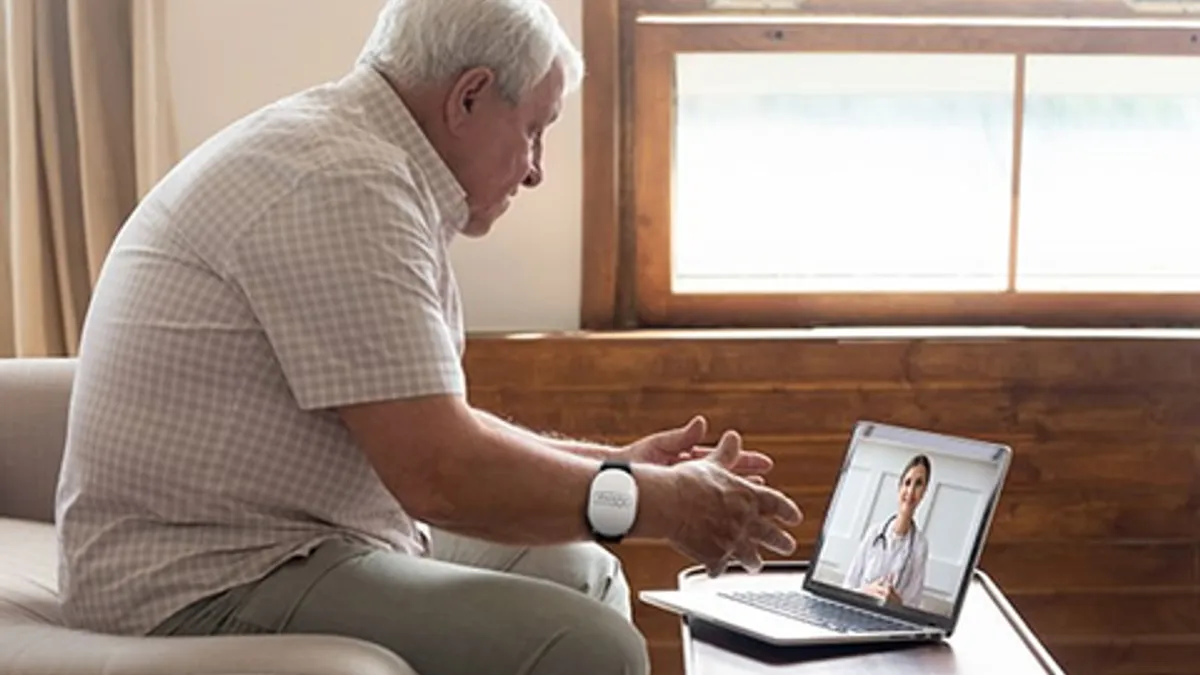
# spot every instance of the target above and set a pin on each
(28, 582)
(34, 406)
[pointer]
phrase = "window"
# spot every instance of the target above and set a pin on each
(1110, 169)
(835, 172)
(794, 169)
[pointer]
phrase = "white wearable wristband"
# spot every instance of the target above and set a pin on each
(612, 501)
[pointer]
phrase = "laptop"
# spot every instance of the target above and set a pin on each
(871, 582)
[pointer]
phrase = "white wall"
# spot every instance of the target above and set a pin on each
(228, 57)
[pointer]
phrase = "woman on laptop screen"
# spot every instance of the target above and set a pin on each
(890, 561)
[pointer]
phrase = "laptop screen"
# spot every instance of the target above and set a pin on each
(907, 520)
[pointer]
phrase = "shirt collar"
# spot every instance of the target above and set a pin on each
(394, 122)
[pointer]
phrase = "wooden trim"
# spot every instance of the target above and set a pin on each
(812, 34)
(1090, 529)
(1057, 310)
(658, 39)
(1018, 153)
(1051, 8)
(627, 278)
(653, 171)
(602, 157)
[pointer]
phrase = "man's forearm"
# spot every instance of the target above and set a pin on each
(449, 468)
(506, 485)
(574, 447)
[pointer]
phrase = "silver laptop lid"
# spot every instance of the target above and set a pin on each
(950, 486)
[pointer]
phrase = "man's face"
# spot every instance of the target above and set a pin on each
(498, 146)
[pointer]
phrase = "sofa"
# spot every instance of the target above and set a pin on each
(34, 397)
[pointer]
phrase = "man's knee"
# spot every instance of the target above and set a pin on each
(591, 568)
(588, 568)
(585, 567)
(608, 643)
(517, 624)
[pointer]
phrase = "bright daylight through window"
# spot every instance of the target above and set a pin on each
(894, 172)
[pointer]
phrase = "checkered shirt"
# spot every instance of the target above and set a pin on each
(294, 263)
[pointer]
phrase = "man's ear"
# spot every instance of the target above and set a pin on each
(472, 86)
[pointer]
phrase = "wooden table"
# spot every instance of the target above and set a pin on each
(990, 638)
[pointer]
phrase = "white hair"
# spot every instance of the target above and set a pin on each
(422, 42)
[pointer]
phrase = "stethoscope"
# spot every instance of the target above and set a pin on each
(881, 540)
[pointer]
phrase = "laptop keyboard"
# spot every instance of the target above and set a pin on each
(814, 610)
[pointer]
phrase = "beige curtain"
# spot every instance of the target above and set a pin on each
(87, 129)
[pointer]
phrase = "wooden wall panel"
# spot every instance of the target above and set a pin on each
(1097, 536)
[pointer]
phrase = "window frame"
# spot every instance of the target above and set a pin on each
(627, 248)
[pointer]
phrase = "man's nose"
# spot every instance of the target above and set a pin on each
(533, 178)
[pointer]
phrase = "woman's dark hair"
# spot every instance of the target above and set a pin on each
(919, 460)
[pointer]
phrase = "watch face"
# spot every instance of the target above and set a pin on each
(612, 504)
(612, 499)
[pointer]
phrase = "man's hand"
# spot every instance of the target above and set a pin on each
(723, 517)
(670, 447)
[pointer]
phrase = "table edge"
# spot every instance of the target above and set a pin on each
(1010, 614)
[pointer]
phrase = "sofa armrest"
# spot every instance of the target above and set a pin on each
(35, 399)
(50, 650)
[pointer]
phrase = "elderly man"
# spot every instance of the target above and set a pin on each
(269, 431)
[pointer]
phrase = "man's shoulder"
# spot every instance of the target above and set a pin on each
(351, 130)
(294, 148)
(316, 145)
(311, 134)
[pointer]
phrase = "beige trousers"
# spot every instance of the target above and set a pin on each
(472, 607)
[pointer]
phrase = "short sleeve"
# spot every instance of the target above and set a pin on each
(343, 275)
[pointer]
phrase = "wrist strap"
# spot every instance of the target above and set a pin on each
(621, 464)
